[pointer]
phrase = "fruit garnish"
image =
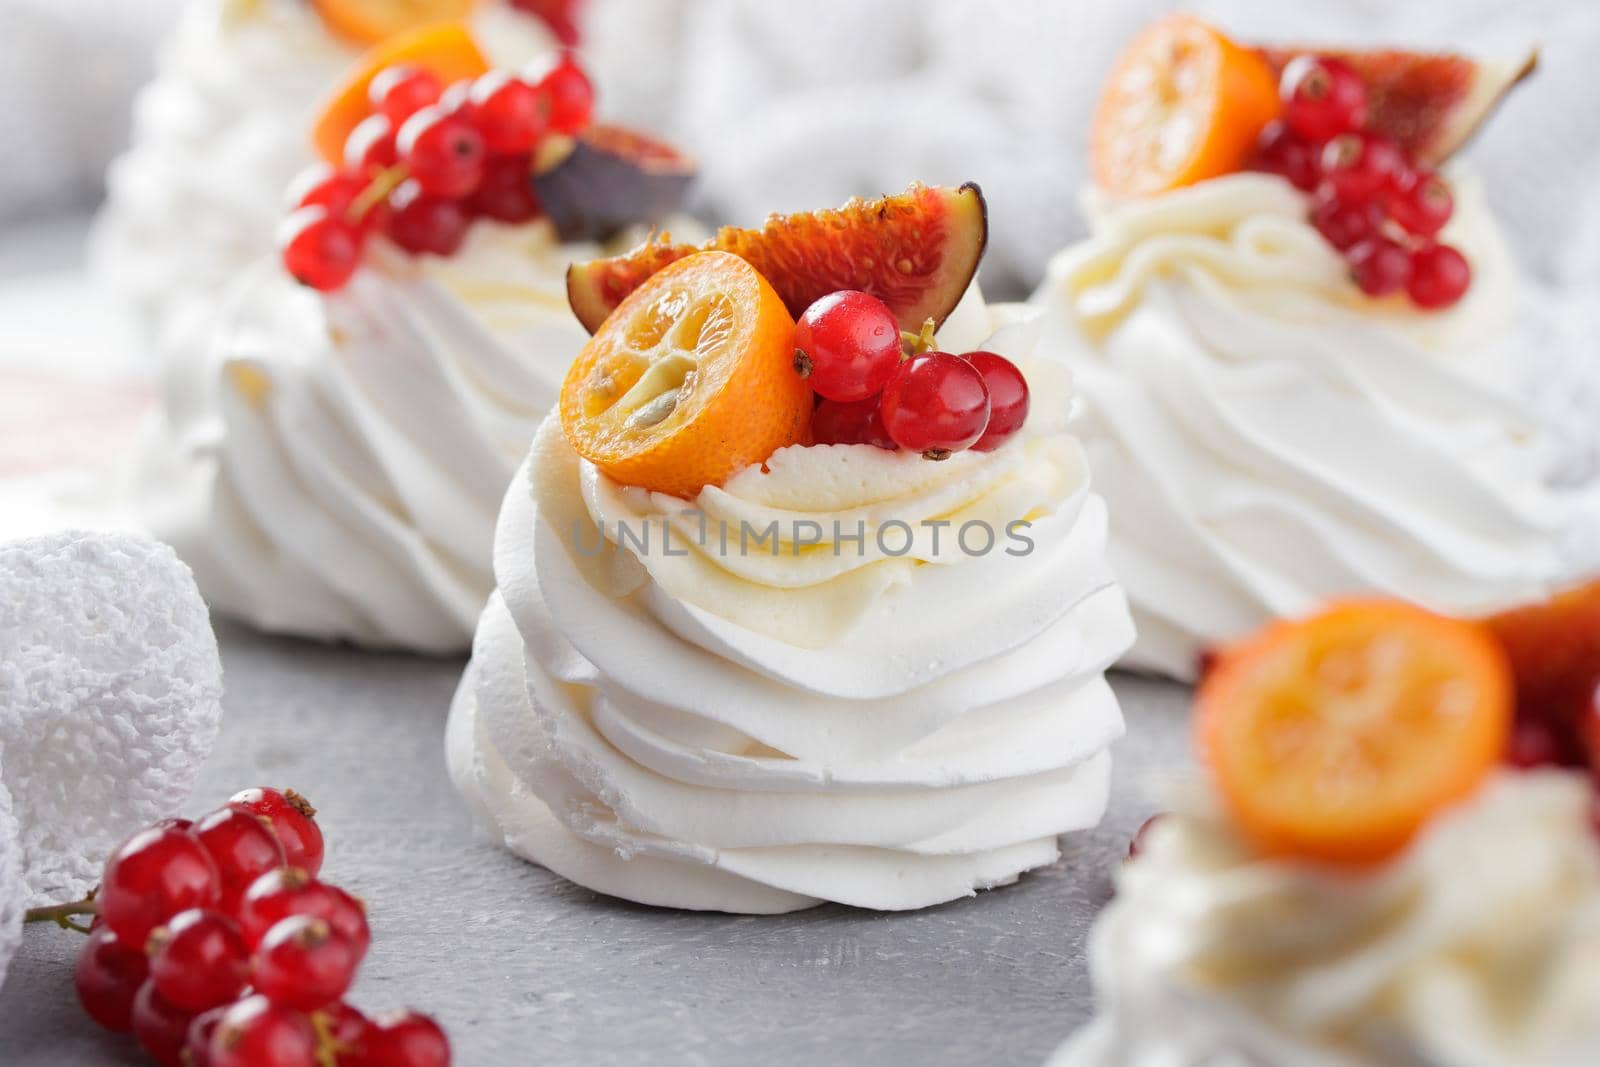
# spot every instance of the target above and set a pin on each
(1322, 97)
(448, 51)
(917, 252)
(1183, 103)
(1335, 738)
(1554, 649)
(371, 21)
(568, 90)
(1428, 104)
(847, 345)
(610, 177)
(689, 380)
(1008, 399)
(936, 403)
(854, 422)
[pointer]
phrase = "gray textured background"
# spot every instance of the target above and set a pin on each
(524, 968)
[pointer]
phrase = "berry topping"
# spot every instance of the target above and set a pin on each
(319, 250)
(407, 1039)
(1440, 276)
(257, 1032)
(852, 422)
(292, 818)
(290, 891)
(1421, 202)
(403, 90)
(1345, 223)
(444, 153)
(107, 976)
(847, 345)
(1008, 398)
(1285, 153)
(506, 193)
(152, 877)
(303, 963)
(936, 403)
(198, 960)
(1184, 103)
(160, 1026)
(371, 148)
(197, 1042)
(1379, 266)
(567, 91)
(244, 846)
(420, 223)
(1361, 166)
(1322, 98)
(1336, 738)
(511, 114)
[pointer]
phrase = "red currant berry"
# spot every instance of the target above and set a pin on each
(173, 823)
(1379, 266)
(304, 964)
(568, 90)
(401, 91)
(107, 976)
(161, 1027)
(511, 114)
(1283, 152)
(1344, 222)
(347, 1031)
(851, 422)
(1008, 398)
(198, 960)
(292, 818)
(444, 153)
(421, 223)
(847, 345)
(1440, 276)
(507, 191)
(153, 876)
(1360, 167)
(407, 1039)
(197, 1042)
(1322, 97)
(1421, 202)
(1533, 744)
(288, 891)
(370, 147)
(936, 404)
(245, 847)
(259, 1033)
(318, 250)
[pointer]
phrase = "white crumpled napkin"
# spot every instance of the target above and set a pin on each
(110, 699)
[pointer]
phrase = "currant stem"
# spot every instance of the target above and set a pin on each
(377, 191)
(921, 341)
(63, 914)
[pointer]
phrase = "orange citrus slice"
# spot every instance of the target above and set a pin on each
(1337, 737)
(1183, 103)
(371, 21)
(447, 49)
(689, 380)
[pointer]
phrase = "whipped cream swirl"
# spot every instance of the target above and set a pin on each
(217, 137)
(1477, 947)
(331, 465)
(1268, 437)
(760, 730)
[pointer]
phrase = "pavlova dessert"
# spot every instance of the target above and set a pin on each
(222, 130)
(1395, 864)
(331, 461)
(1291, 334)
(798, 612)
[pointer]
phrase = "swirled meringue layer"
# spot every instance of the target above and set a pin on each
(763, 730)
(331, 465)
(1478, 947)
(1268, 437)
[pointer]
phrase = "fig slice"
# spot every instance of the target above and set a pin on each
(916, 251)
(609, 178)
(1429, 103)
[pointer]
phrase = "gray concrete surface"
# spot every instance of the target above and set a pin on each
(524, 968)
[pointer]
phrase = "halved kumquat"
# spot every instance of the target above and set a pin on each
(689, 380)
(1183, 103)
(447, 49)
(1336, 738)
(371, 21)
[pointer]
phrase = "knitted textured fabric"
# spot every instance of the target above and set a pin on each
(110, 699)
(12, 891)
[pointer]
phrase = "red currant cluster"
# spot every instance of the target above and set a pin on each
(216, 944)
(427, 161)
(1368, 199)
(874, 392)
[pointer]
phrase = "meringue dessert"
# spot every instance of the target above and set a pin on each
(1475, 944)
(730, 669)
(1299, 381)
(331, 462)
(222, 130)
